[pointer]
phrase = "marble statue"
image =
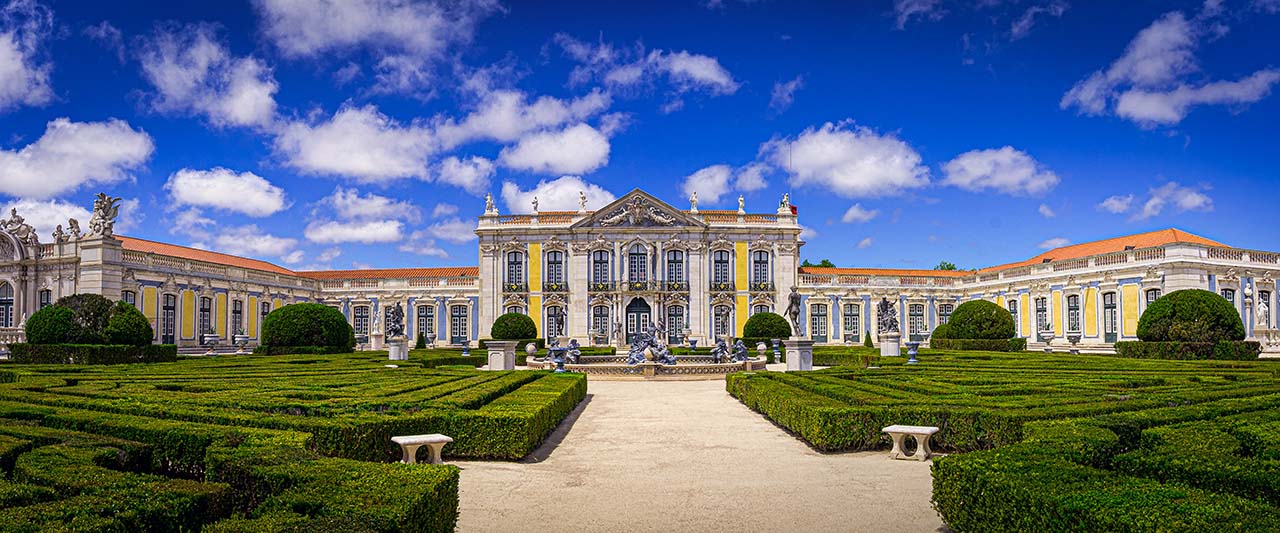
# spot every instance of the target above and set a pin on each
(535, 204)
(693, 201)
(105, 210)
(582, 201)
(720, 352)
(575, 351)
(73, 227)
(742, 204)
(59, 236)
(18, 227)
(888, 316)
(488, 203)
(786, 200)
(793, 312)
(395, 321)
(649, 340)
(739, 352)
(1264, 314)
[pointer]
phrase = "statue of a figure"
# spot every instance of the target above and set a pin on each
(105, 210)
(739, 352)
(693, 201)
(395, 321)
(73, 227)
(575, 350)
(636, 355)
(1264, 314)
(888, 316)
(535, 204)
(488, 204)
(742, 204)
(18, 227)
(582, 201)
(59, 236)
(786, 199)
(617, 329)
(793, 312)
(720, 352)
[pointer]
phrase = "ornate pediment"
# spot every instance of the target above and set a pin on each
(638, 209)
(599, 243)
(513, 245)
(554, 243)
(721, 242)
(761, 243)
(722, 298)
(513, 299)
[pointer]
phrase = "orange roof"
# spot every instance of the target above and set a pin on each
(173, 250)
(885, 272)
(1106, 246)
(387, 273)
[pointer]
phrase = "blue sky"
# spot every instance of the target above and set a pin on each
(335, 134)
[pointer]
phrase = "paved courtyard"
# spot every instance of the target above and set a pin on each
(686, 456)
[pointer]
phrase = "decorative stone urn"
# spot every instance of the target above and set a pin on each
(210, 340)
(913, 349)
(240, 340)
(1047, 337)
(1074, 339)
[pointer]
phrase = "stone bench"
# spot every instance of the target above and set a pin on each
(434, 442)
(921, 434)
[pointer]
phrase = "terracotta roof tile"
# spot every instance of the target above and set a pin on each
(885, 272)
(389, 273)
(1106, 246)
(173, 250)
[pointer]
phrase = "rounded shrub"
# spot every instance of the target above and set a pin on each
(307, 324)
(1190, 315)
(89, 314)
(127, 325)
(980, 319)
(943, 331)
(766, 326)
(52, 325)
(513, 327)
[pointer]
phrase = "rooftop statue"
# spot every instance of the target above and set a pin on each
(105, 210)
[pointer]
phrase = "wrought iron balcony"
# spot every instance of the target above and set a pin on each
(722, 286)
(639, 286)
(761, 286)
(555, 286)
(675, 286)
(515, 287)
(600, 286)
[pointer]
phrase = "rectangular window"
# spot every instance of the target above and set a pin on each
(426, 320)
(360, 319)
(600, 267)
(266, 309)
(458, 324)
(915, 316)
(760, 309)
(168, 319)
(1073, 313)
(515, 267)
(675, 266)
(237, 317)
(46, 298)
(1109, 317)
(1152, 295)
(555, 267)
(600, 320)
(720, 272)
(555, 321)
(818, 321)
(675, 324)
(760, 267)
(6, 305)
(129, 297)
(1042, 315)
(206, 315)
(1013, 310)
(944, 312)
(852, 320)
(515, 309)
(720, 317)
(1230, 295)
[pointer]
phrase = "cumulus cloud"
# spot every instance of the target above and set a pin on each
(454, 230)
(25, 27)
(560, 194)
(848, 160)
(406, 38)
(577, 149)
(421, 243)
(1151, 85)
(784, 94)
(807, 233)
(349, 204)
(1046, 211)
(221, 188)
(361, 231)
(857, 213)
(710, 183)
(252, 241)
(1056, 242)
(359, 143)
(1116, 204)
(193, 72)
(751, 177)
(329, 254)
(1179, 197)
(1004, 170)
(905, 10)
(443, 210)
(472, 174)
(865, 243)
(45, 215)
(507, 115)
(634, 69)
(70, 155)
(107, 36)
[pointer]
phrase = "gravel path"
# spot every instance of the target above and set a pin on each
(686, 456)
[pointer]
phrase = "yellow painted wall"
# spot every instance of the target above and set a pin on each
(535, 312)
(1023, 305)
(742, 311)
(149, 305)
(1057, 313)
(1000, 301)
(276, 304)
(740, 275)
(188, 315)
(535, 267)
(220, 312)
(1129, 310)
(1091, 312)
(252, 320)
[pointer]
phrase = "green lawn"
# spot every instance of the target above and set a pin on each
(261, 443)
(1059, 442)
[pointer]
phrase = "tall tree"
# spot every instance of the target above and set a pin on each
(945, 265)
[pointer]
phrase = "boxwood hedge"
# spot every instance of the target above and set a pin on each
(92, 354)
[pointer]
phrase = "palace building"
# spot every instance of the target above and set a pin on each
(603, 275)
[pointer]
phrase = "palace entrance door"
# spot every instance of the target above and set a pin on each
(638, 316)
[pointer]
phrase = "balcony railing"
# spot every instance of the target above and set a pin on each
(639, 286)
(761, 286)
(600, 286)
(515, 287)
(721, 286)
(675, 286)
(555, 286)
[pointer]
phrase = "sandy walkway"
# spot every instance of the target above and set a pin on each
(686, 456)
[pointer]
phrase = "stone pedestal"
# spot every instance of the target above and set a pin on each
(398, 349)
(502, 355)
(799, 354)
(376, 341)
(890, 344)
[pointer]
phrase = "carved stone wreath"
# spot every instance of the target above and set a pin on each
(721, 241)
(722, 298)
(514, 244)
(554, 243)
(514, 300)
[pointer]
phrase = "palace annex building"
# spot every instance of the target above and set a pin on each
(601, 276)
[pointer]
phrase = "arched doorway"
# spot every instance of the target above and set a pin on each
(638, 316)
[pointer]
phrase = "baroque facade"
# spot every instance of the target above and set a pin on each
(603, 275)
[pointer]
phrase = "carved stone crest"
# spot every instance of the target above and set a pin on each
(637, 212)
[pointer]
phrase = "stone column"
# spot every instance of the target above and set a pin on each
(697, 297)
(578, 266)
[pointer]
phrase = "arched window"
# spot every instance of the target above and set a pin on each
(600, 320)
(168, 319)
(515, 268)
(206, 315)
(675, 324)
(944, 312)
(555, 267)
(1152, 295)
(1042, 314)
(360, 319)
(760, 309)
(760, 267)
(852, 319)
(130, 298)
(237, 317)
(458, 318)
(426, 320)
(515, 309)
(46, 298)
(675, 266)
(637, 263)
(720, 267)
(6, 305)
(555, 321)
(721, 315)
(1073, 313)
(600, 267)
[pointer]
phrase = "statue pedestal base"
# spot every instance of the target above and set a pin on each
(398, 349)
(502, 354)
(799, 354)
(376, 341)
(889, 344)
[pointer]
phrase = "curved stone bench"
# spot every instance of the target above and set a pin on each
(921, 433)
(434, 442)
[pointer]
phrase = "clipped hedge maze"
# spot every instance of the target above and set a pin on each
(1058, 443)
(255, 443)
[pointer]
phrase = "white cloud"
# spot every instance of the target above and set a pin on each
(107, 36)
(45, 215)
(193, 72)
(1150, 84)
(848, 161)
(71, 155)
(1056, 242)
(1046, 211)
(1022, 26)
(25, 26)
(250, 241)
(471, 174)
(925, 9)
(454, 230)
(865, 243)
(362, 231)
(1181, 198)
(193, 223)
(807, 233)
(443, 210)
(359, 143)
(507, 115)
(634, 69)
(578, 149)
(329, 254)
(710, 183)
(750, 177)
(348, 204)
(784, 94)
(420, 243)
(222, 188)
(857, 213)
(1116, 204)
(560, 194)
(1003, 170)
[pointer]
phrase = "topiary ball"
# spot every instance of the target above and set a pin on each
(127, 325)
(943, 331)
(90, 313)
(980, 319)
(513, 327)
(1190, 315)
(307, 324)
(54, 324)
(766, 326)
